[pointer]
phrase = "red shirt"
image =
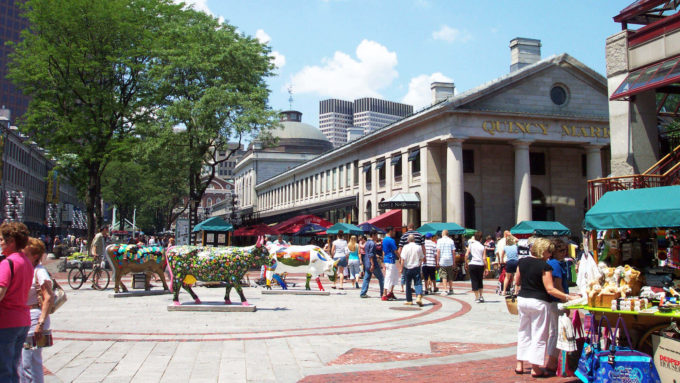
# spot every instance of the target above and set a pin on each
(13, 309)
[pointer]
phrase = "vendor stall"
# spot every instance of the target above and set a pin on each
(540, 228)
(638, 274)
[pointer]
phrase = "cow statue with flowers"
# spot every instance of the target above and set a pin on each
(288, 258)
(188, 264)
(133, 258)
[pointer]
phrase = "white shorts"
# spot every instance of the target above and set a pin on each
(391, 275)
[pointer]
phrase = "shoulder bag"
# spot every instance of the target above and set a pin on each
(58, 296)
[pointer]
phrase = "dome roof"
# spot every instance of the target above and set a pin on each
(294, 129)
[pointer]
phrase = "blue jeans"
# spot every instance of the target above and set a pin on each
(377, 271)
(413, 275)
(11, 342)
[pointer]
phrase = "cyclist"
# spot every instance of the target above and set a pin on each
(99, 246)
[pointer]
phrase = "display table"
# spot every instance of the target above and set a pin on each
(640, 324)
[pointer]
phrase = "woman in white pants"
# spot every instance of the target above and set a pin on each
(31, 369)
(534, 285)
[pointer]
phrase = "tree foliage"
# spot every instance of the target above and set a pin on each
(86, 64)
(106, 74)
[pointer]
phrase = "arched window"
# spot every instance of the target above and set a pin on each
(469, 211)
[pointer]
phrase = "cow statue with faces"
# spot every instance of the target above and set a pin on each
(289, 259)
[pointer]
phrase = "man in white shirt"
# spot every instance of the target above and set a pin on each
(411, 259)
(446, 252)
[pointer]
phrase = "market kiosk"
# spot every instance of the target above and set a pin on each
(638, 241)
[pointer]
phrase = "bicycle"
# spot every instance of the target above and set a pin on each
(100, 276)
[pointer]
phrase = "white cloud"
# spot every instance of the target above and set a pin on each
(262, 36)
(343, 76)
(278, 59)
(451, 35)
(419, 94)
(199, 5)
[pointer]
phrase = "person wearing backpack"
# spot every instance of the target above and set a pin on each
(40, 300)
(16, 272)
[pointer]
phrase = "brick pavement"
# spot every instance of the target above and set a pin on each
(313, 338)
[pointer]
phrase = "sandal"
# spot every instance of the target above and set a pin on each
(539, 376)
(519, 372)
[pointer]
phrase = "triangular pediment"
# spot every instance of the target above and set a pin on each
(528, 91)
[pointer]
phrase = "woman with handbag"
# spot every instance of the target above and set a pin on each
(534, 285)
(40, 299)
(15, 280)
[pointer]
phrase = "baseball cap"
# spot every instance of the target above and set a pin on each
(428, 235)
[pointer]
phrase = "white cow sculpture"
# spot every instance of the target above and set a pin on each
(289, 258)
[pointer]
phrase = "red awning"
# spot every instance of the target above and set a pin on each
(294, 224)
(390, 218)
(255, 230)
(654, 76)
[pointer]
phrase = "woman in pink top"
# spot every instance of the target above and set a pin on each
(16, 274)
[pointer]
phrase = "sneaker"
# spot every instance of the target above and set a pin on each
(450, 292)
(419, 300)
(384, 298)
(363, 296)
(408, 303)
(481, 299)
(391, 297)
(478, 301)
(356, 285)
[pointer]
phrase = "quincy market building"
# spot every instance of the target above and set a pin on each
(518, 148)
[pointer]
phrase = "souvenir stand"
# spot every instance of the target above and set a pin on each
(214, 232)
(639, 263)
(456, 232)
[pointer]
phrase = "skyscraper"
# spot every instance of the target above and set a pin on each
(337, 116)
(11, 25)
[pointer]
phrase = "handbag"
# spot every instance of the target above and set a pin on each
(568, 360)
(623, 364)
(511, 303)
(592, 348)
(58, 294)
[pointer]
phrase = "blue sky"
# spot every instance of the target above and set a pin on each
(393, 49)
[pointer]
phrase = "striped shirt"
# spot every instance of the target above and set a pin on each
(446, 248)
(430, 253)
(419, 240)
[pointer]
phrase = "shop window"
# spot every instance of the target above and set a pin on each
(537, 163)
(468, 161)
(414, 159)
(396, 164)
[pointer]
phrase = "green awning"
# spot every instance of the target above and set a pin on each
(437, 228)
(636, 208)
(213, 224)
(469, 232)
(544, 228)
(347, 228)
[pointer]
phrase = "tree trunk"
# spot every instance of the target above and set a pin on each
(91, 201)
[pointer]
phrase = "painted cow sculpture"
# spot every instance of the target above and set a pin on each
(132, 258)
(289, 258)
(214, 264)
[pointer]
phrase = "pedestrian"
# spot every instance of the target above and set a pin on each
(371, 265)
(327, 246)
(498, 234)
(99, 246)
(445, 257)
(490, 251)
(16, 272)
(560, 281)
(404, 240)
(474, 257)
(510, 258)
(40, 297)
(353, 262)
(534, 286)
(430, 265)
(362, 252)
(390, 258)
(500, 244)
(340, 252)
(411, 258)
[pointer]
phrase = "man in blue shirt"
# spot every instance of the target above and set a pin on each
(371, 265)
(389, 248)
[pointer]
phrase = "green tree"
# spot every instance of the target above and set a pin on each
(214, 79)
(85, 64)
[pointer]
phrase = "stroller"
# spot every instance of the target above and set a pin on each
(501, 280)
